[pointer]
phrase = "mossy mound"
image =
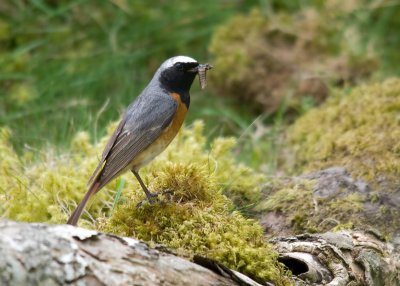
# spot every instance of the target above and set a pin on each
(360, 134)
(263, 59)
(197, 218)
(359, 131)
(239, 182)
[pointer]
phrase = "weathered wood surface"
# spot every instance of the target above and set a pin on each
(40, 254)
(341, 258)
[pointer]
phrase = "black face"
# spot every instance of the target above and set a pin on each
(185, 67)
(179, 77)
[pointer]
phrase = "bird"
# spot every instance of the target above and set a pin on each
(147, 127)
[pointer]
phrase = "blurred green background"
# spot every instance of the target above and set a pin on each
(74, 65)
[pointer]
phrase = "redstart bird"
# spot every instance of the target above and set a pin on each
(148, 125)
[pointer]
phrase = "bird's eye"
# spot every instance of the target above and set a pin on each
(179, 66)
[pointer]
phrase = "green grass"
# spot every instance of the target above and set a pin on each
(77, 64)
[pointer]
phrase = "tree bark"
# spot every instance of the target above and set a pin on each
(40, 254)
(340, 258)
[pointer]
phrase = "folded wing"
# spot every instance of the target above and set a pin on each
(143, 123)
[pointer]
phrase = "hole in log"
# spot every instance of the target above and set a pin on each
(296, 266)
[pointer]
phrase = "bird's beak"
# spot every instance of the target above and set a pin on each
(202, 69)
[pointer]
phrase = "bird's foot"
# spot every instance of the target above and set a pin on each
(153, 197)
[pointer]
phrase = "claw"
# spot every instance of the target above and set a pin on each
(153, 197)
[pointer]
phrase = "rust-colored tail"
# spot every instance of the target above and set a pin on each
(73, 219)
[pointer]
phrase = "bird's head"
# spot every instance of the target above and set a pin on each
(177, 73)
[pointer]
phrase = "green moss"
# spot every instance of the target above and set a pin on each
(43, 190)
(293, 200)
(360, 132)
(237, 181)
(303, 212)
(197, 218)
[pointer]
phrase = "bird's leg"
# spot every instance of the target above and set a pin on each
(151, 197)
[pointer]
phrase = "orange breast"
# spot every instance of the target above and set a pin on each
(166, 136)
(176, 124)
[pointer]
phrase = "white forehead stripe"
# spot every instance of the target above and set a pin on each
(179, 59)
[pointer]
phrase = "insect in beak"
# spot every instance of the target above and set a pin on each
(202, 69)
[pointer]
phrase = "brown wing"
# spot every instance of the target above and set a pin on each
(107, 149)
(143, 123)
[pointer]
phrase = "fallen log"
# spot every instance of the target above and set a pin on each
(41, 254)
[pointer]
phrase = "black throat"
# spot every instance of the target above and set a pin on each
(178, 82)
